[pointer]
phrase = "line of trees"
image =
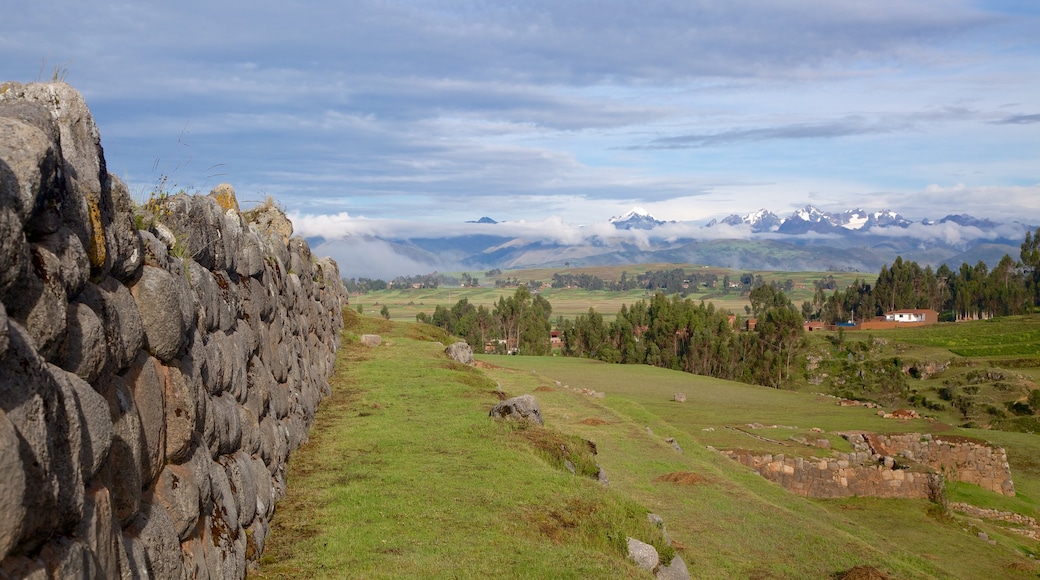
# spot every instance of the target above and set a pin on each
(681, 334)
(675, 281)
(518, 324)
(969, 293)
(670, 332)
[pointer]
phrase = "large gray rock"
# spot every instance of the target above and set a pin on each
(95, 205)
(122, 470)
(272, 223)
(179, 398)
(198, 224)
(460, 352)
(644, 555)
(84, 351)
(524, 408)
(225, 544)
(675, 570)
(67, 557)
(177, 490)
(12, 492)
(154, 544)
(73, 267)
(146, 382)
(157, 300)
(117, 310)
(50, 438)
(43, 309)
(89, 409)
(99, 530)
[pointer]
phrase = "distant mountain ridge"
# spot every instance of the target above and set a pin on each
(636, 219)
(813, 219)
(807, 239)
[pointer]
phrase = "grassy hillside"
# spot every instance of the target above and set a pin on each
(405, 476)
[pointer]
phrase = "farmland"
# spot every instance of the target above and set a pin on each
(405, 303)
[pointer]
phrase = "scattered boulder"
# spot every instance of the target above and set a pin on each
(371, 340)
(644, 555)
(460, 352)
(676, 570)
(679, 397)
(523, 408)
(675, 444)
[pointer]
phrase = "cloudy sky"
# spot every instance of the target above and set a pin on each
(362, 115)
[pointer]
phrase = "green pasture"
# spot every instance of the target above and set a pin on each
(405, 303)
(405, 476)
(640, 397)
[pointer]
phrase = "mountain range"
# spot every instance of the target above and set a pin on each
(809, 239)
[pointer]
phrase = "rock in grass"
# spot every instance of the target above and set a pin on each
(523, 408)
(460, 352)
(674, 571)
(644, 555)
(371, 340)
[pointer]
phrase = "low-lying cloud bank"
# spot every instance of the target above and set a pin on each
(556, 231)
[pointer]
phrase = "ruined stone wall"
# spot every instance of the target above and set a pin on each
(957, 458)
(904, 465)
(158, 364)
(836, 477)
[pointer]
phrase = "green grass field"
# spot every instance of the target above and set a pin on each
(405, 476)
(405, 303)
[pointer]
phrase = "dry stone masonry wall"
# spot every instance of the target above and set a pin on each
(157, 364)
(892, 466)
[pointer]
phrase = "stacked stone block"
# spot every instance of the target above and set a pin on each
(905, 465)
(957, 458)
(837, 477)
(157, 365)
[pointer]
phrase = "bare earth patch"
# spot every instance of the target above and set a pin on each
(681, 478)
(543, 389)
(594, 421)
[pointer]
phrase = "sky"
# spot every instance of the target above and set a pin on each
(396, 116)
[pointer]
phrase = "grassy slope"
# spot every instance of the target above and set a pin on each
(738, 524)
(405, 477)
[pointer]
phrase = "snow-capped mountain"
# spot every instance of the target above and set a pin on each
(760, 221)
(636, 219)
(886, 219)
(807, 239)
(813, 219)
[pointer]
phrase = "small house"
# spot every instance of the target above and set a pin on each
(914, 315)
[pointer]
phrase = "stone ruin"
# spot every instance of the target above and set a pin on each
(156, 367)
(890, 466)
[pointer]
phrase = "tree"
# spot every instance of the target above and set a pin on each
(1031, 260)
(385, 312)
(780, 330)
(510, 314)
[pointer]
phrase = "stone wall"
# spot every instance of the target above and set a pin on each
(957, 458)
(158, 364)
(904, 465)
(836, 477)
